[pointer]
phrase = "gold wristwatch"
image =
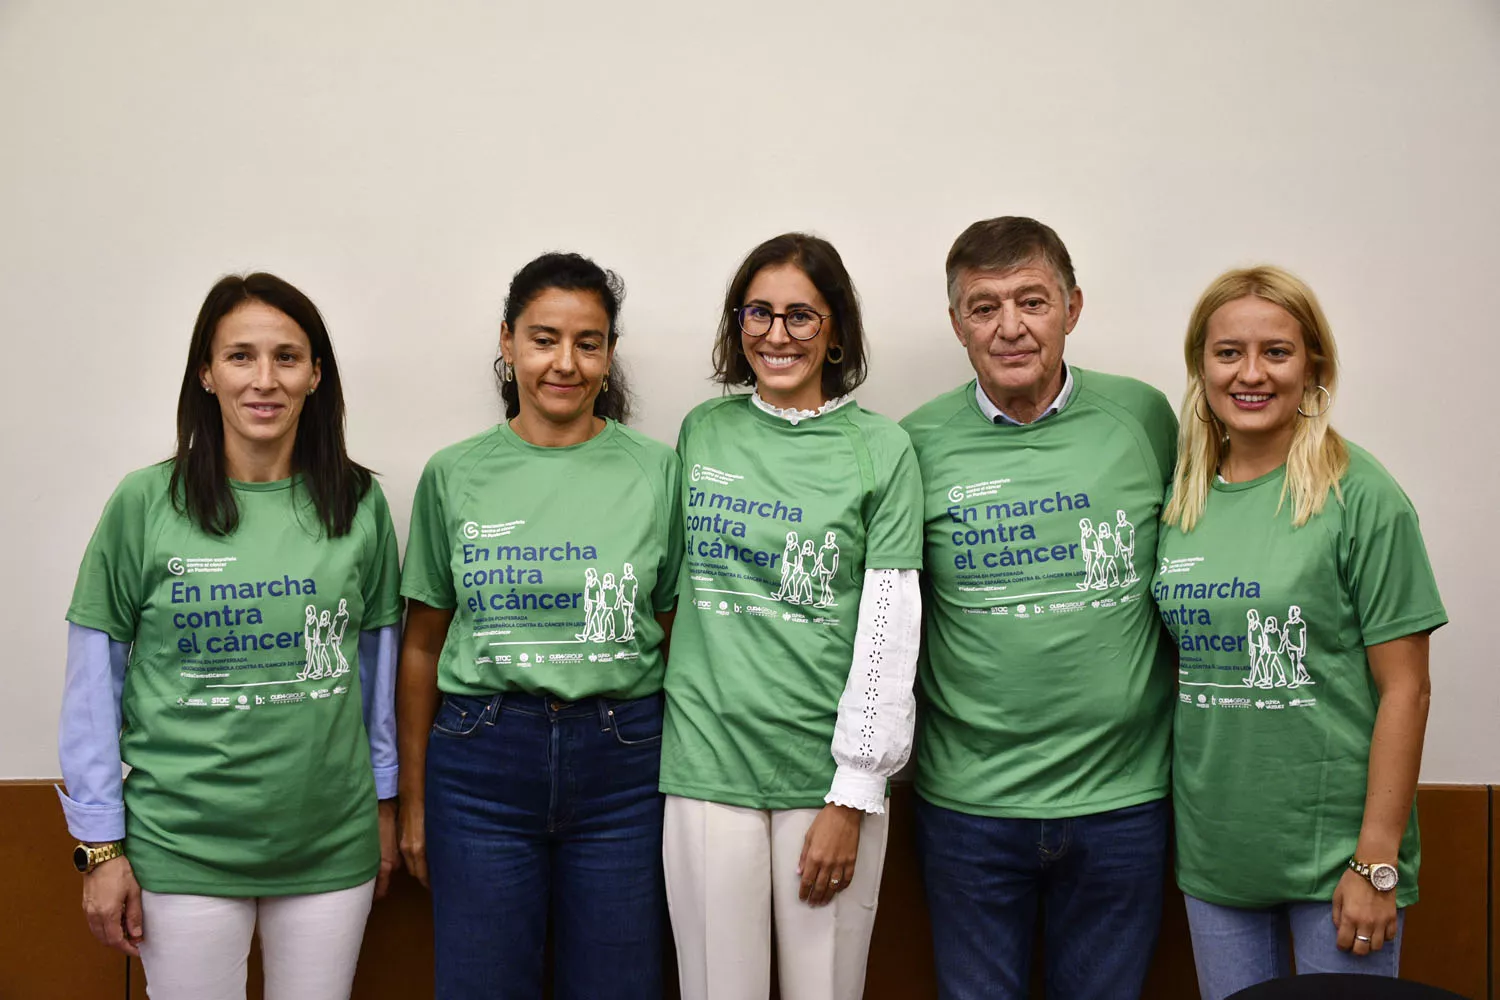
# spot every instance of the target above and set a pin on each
(1382, 876)
(86, 858)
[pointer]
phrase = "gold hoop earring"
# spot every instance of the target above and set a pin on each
(1210, 419)
(1327, 403)
(835, 359)
(604, 383)
(507, 374)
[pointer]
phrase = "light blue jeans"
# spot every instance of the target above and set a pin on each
(1234, 949)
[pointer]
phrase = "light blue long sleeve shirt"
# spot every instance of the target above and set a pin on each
(88, 734)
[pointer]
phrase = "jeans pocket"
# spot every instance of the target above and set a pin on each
(636, 723)
(459, 715)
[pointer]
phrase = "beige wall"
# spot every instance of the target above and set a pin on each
(399, 161)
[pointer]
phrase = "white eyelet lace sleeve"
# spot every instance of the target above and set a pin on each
(878, 712)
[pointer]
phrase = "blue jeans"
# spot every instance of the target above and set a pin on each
(1098, 880)
(533, 802)
(1234, 949)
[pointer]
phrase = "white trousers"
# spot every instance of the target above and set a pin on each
(729, 870)
(197, 947)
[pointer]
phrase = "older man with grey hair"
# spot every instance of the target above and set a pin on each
(1043, 744)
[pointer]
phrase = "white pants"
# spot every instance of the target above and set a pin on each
(197, 947)
(729, 870)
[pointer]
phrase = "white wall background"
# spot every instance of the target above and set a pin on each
(399, 161)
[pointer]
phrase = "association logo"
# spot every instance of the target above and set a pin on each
(180, 566)
(471, 530)
(974, 491)
(701, 472)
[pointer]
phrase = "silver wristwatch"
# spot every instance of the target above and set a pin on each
(1382, 876)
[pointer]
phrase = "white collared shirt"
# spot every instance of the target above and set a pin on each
(999, 416)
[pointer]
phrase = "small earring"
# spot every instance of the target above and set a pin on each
(208, 389)
(1208, 419)
(507, 373)
(312, 390)
(1327, 403)
(834, 359)
(604, 383)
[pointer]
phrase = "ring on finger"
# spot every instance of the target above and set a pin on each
(1362, 937)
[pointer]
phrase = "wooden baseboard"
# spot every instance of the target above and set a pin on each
(46, 951)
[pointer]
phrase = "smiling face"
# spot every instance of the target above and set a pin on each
(1255, 371)
(788, 372)
(1013, 324)
(261, 370)
(559, 351)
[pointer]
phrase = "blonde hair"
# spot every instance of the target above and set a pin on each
(1318, 457)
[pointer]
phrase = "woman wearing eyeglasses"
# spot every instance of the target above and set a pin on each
(788, 704)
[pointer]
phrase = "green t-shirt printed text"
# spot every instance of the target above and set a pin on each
(1045, 674)
(781, 522)
(555, 562)
(250, 765)
(1276, 703)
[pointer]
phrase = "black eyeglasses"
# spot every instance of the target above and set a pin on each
(800, 322)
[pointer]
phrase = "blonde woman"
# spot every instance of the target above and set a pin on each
(1271, 508)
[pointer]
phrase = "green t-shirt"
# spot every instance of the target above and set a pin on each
(555, 562)
(782, 521)
(1276, 704)
(1046, 676)
(250, 765)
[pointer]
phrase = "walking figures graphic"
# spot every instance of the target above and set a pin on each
(1108, 553)
(609, 606)
(825, 569)
(805, 566)
(323, 643)
(1274, 647)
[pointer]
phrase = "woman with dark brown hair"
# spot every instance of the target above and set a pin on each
(789, 704)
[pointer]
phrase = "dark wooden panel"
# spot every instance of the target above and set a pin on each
(1446, 941)
(1172, 973)
(901, 965)
(46, 950)
(396, 960)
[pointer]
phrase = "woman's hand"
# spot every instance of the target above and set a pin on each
(828, 853)
(416, 705)
(1365, 917)
(414, 837)
(390, 850)
(112, 903)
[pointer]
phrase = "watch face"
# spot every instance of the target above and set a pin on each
(1383, 877)
(81, 858)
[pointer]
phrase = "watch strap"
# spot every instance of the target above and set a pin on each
(95, 856)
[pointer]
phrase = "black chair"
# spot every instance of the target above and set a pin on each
(1343, 987)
